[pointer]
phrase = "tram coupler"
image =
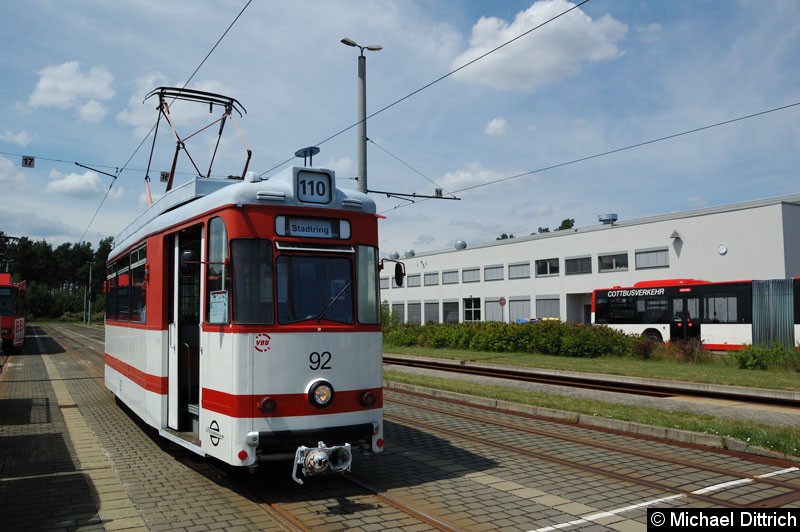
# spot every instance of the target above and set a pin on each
(321, 460)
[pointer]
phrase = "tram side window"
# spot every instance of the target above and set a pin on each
(124, 294)
(111, 293)
(367, 275)
(137, 286)
(216, 273)
(251, 263)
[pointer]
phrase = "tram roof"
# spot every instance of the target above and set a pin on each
(201, 195)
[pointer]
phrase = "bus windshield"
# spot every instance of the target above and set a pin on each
(314, 288)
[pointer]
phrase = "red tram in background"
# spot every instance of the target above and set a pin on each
(243, 320)
(13, 311)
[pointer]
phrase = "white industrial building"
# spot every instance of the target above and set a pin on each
(553, 274)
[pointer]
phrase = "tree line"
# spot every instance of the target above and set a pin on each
(58, 278)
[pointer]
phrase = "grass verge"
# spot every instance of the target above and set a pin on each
(714, 370)
(781, 439)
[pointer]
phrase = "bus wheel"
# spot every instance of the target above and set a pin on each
(653, 334)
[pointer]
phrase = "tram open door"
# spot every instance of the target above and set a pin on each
(184, 334)
(685, 319)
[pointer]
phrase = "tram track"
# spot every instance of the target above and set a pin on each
(486, 433)
(491, 418)
(625, 385)
(77, 344)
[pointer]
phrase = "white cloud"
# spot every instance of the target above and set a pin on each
(23, 138)
(35, 226)
(344, 167)
(472, 174)
(496, 127)
(141, 117)
(92, 111)
(86, 185)
(66, 87)
(424, 239)
(547, 55)
(649, 32)
(10, 174)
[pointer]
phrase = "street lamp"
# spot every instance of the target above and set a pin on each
(362, 110)
(89, 293)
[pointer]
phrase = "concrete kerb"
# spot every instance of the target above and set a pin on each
(667, 433)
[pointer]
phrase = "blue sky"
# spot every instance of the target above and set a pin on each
(611, 74)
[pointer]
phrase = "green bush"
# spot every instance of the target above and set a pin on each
(766, 357)
(547, 337)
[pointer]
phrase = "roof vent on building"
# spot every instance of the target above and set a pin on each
(607, 219)
(410, 253)
(461, 245)
(394, 255)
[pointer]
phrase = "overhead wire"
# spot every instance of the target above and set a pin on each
(196, 70)
(616, 150)
(434, 82)
(407, 165)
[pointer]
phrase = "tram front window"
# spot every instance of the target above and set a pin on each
(6, 302)
(252, 281)
(314, 288)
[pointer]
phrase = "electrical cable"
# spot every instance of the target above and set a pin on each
(408, 166)
(120, 170)
(434, 82)
(616, 150)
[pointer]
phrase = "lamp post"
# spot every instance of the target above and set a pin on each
(89, 292)
(362, 111)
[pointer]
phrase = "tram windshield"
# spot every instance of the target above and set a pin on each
(314, 287)
(6, 302)
(295, 287)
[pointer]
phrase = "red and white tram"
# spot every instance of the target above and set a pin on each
(13, 311)
(243, 320)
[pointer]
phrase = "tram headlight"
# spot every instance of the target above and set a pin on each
(320, 394)
(368, 399)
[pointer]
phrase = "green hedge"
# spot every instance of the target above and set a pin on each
(574, 340)
(546, 337)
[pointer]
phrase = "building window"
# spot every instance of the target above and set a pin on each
(398, 312)
(546, 267)
(519, 309)
(493, 273)
(470, 275)
(384, 283)
(519, 271)
(472, 309)
(414, 280)
(415, 313)
(432, 311)
(450, 311)
(547, 308)
(494, 311)
(578, 265)
(611, 263)
(431, 279)
(652, 258)
(450, 277)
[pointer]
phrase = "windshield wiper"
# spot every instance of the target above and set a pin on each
(332, 301)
